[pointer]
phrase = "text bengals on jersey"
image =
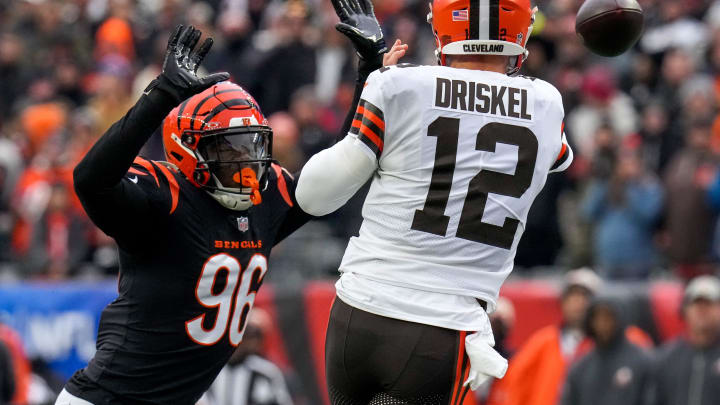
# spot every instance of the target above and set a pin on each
(234, 244)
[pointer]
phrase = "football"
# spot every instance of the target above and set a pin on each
(609, 27)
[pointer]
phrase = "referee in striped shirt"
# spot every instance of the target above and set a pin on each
(249, 379)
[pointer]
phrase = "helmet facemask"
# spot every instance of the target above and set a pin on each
(233, 164)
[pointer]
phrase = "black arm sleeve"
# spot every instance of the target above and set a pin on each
(110, 158)
(297, 217)
(110, 202)
(364, 70)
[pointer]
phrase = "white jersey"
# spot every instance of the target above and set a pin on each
(461, 155)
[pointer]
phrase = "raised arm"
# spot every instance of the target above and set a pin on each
(98, 178)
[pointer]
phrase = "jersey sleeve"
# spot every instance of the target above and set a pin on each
(112, 182)
(368, 125)
(556, 115)
(133, 209)
(565, 157)
(330, 178)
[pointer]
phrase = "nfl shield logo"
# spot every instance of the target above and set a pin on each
(243, 224)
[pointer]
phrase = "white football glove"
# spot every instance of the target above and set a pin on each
(485, 362)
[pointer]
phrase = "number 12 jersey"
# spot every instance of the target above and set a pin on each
(461, 156)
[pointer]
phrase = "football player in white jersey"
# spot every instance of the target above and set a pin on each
(457, 153)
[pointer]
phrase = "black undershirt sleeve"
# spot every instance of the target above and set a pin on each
(111, 203)
(364, 70)
(296, 217)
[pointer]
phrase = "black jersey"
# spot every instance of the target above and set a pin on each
(189, 270)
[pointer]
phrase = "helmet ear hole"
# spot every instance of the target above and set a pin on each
(188, 140)
(202, 177)
(177, 156)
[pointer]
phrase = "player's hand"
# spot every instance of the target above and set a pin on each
(485, 362)
(392, 57)
(358, 23)
(179, 75)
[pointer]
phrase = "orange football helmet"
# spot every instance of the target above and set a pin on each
(482, 27)
(220, 140)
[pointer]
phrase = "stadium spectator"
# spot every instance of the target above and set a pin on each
(248, 378)
(66, 69)
(84, 55)
(657, 143)
(285, 141)
(502, 322)
(291, 63)
(688, 369)
(615, 371)
(536, 372)
(624, 211)
(690, 220)
(602, 104)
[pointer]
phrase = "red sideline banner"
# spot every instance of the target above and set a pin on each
(60, 327)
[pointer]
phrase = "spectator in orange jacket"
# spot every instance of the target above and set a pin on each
(537, 371)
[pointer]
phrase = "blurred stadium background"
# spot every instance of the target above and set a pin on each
(639, 205)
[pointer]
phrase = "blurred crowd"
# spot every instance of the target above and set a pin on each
(597, 354)
(642, 198)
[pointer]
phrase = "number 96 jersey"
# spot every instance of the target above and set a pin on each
(189, 273)
(461, 155)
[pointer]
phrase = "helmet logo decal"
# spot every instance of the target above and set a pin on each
(243, 121)
(519, 38)
(460, 15)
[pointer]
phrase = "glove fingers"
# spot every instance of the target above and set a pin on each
(365, 5)
(369, 8)
(355, 5)
(201, 53)
(347, 4)
(172, 43)
(340, 10)
(182, 40)
(194, 38)
(190, 40)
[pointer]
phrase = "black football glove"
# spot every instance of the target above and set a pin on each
(179, 75)
(358, 23)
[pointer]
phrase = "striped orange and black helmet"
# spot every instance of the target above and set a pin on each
(220, 140)
(482, 27)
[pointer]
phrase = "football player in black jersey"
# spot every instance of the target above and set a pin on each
(194, 233)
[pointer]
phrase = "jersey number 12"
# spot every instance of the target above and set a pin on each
(432, 218)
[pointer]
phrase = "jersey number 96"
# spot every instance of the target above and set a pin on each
(233, 302)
